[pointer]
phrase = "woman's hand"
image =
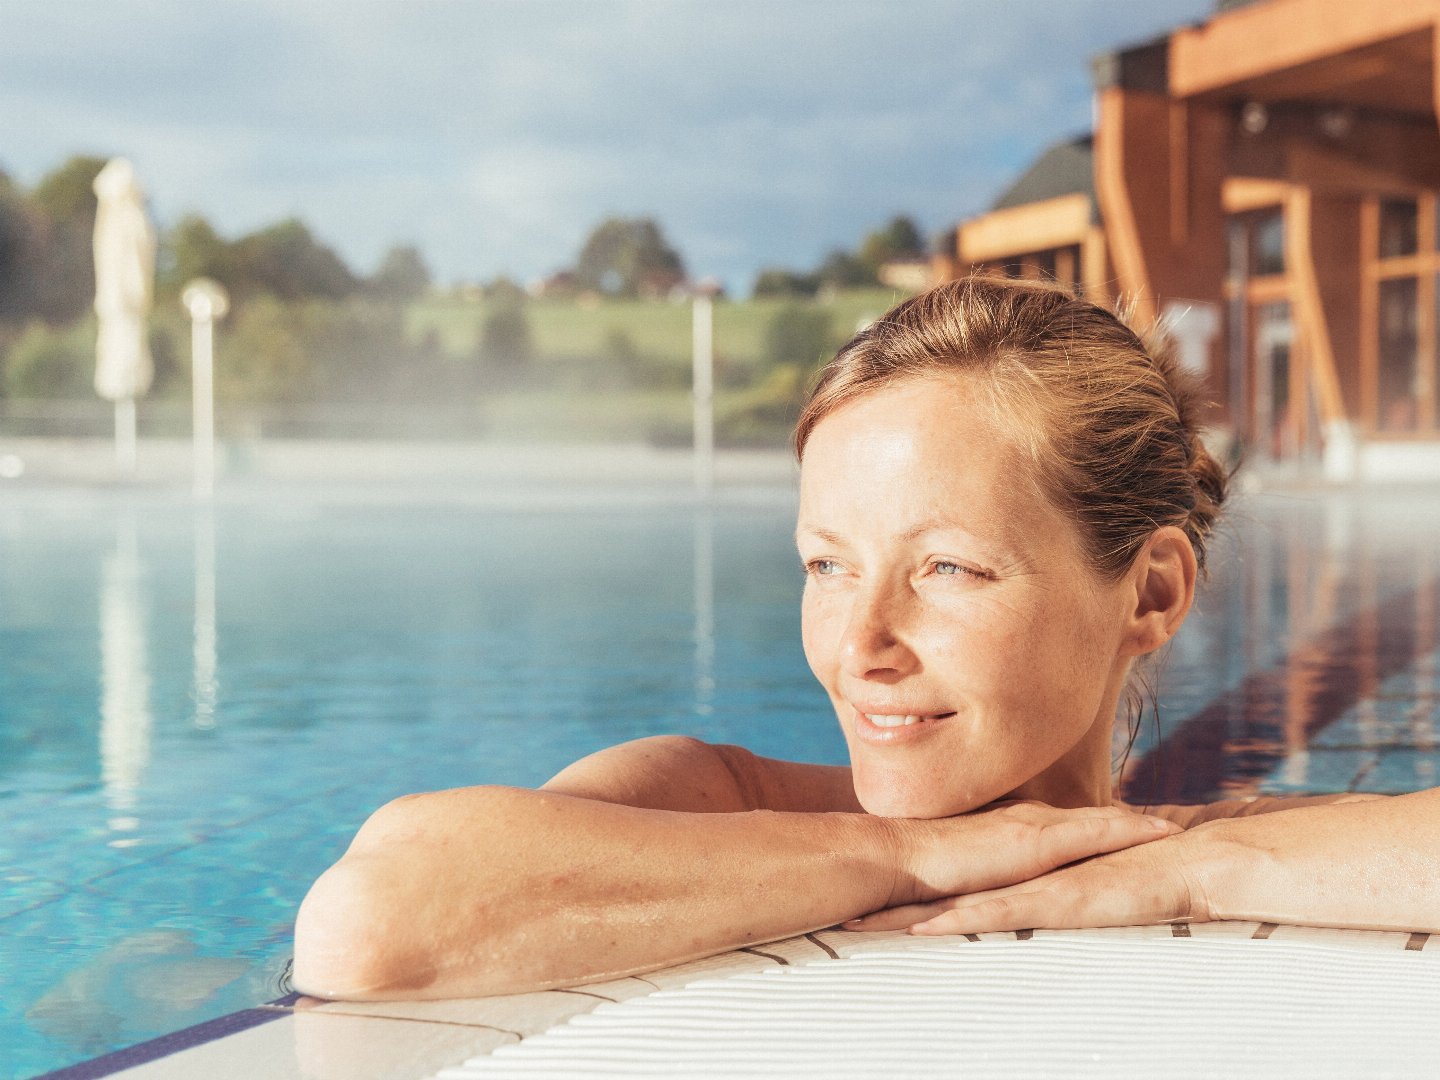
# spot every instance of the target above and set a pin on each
(944, 859)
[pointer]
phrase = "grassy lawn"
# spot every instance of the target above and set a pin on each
(656, 328)
(574, 344)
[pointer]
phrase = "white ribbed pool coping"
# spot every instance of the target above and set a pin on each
(1208, 1000)
(1214, 1004)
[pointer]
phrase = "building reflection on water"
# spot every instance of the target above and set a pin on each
(1321, 627)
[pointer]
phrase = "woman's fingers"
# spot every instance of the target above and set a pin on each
(983, 914)
(1133, 884)
(1063, 842)
(1128, 888)
(1030, 840)
(898, 918)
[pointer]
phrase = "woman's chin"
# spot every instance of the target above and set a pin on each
(909, 800)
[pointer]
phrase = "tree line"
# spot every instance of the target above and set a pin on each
(305, 327)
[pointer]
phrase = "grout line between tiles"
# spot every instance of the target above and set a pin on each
(413, 1020)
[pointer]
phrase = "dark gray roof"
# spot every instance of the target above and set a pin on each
(1064, 169)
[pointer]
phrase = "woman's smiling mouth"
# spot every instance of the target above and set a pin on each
(888, 728)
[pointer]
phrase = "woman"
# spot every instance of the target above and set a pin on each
(1004, 505)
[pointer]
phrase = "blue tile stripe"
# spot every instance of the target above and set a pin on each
(165, 1045)
(1238, 739)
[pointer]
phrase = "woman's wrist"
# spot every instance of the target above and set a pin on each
(1225, 870)
(886, 846)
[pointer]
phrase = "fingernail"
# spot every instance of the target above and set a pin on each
(852, 922)
(920, 928)
(1159, 824)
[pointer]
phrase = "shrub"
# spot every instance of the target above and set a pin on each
(52, 363)
(797, 334)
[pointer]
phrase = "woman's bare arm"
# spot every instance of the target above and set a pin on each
(676, 772)
(1368, 863)
(493, 890)
(1188, 815)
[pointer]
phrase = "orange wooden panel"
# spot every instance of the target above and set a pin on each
(1262, 39)
(1117, 205)
(1017, 230)
(1369, 313)
(1241, 193)
(1094, 267)
(1309, 308)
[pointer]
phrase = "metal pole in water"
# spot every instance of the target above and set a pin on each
(206, 301)
(703, 394)
(125, 452)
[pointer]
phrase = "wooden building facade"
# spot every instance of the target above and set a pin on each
(1270, 180)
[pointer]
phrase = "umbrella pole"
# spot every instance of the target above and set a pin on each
(125, 455)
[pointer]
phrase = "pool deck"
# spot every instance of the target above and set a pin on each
(165, 464)
(832, 1003)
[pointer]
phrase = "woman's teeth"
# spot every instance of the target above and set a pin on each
(893, 721)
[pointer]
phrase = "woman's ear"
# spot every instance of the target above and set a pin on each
(1163, 577)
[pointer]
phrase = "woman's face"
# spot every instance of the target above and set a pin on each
(969, 652)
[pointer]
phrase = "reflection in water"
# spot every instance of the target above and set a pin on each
(704, 610)
(125, 716)
(1353, 621)
(151, 980)
(206, 687)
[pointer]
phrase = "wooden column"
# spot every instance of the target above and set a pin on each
(1309, 308)
(1128, 121)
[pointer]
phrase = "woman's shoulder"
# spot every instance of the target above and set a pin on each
(679, 772)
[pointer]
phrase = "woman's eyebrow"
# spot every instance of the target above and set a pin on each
(820, 534)
(919, 529)
(914, 532)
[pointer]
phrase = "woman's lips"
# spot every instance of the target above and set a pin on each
(891, 728)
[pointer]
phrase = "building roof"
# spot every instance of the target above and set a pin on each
(1064, 169)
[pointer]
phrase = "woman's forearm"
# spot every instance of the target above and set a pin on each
(496, 890)
(1368, 864)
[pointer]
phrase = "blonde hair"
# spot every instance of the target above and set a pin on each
(1109, 425)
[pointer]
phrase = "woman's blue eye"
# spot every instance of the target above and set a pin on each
(952, 569)
(821, 567)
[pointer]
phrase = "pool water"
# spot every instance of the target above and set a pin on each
(198, 708)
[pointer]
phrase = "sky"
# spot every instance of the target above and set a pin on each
(494, 134)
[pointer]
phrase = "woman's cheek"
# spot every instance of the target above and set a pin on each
(819, 629)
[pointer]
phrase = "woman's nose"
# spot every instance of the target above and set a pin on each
(873, 645)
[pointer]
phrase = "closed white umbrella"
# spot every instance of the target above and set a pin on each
(124, 289)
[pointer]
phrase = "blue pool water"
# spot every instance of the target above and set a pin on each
(197, 710)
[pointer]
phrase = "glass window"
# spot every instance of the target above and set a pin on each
(1237, 251)
(1267, 244)
(1045, 264)
(1067, 266)
(1399, 355)
(1276, 421)
(1399, 227)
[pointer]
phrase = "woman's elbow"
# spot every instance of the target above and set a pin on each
(345, 940)
(381, 922)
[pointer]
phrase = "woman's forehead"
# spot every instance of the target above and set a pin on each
(917, 455)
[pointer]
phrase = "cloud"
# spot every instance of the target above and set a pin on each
(494, 134)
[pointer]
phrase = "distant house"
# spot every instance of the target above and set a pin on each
(657, 284)
(562, 283)
(1045, 224)
(1271, 180)
(706, 286)
(907, 275)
